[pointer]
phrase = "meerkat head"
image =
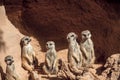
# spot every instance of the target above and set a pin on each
(50, 45)
(71, 36)
(86, 34)
(25, 40)
(9, 60)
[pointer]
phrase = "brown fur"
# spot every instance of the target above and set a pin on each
(10, 69)
(27, 54)
(87, 48)
(51, 63)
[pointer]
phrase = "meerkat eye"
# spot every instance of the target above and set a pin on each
(84, 35)
(26, 39)
(9, 59)
(46, 44)
(88, 34)
(72, 35)
(50, 43)
(68, 38)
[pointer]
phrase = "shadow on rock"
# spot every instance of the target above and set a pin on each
(2, 43)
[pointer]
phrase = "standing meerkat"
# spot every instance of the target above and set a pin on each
(87, 47)
(50, 66)
(27, 54)
(10, 69)
(74, 53)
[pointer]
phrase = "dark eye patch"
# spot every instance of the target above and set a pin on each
(84, 34)
(50, 43)
(72, 35)
(47, 44)
(8, 60)
(88, 33)
(26, 39)
(68, 38)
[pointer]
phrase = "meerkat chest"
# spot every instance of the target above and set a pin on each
(51, 55)
(87, 46)
(28, 49)
(10, 69)
(73, 47)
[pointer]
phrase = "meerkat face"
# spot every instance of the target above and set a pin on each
(50, 45)
(71, 36)
(86, 34)
(9, 60)
(25, 40)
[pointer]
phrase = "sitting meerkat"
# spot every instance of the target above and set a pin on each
(10, 69)
(51, 64)
(27, 54)
(74, 53)
(87, 48)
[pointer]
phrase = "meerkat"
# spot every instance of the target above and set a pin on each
(27, 54)
(10, 69)
(74, 53)
(50, 66)
(87, 48)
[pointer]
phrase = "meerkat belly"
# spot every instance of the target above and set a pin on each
(9, 70)
(74, 51)
(52, 58)
(88, 48)
(77, 52)
(29, 52)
